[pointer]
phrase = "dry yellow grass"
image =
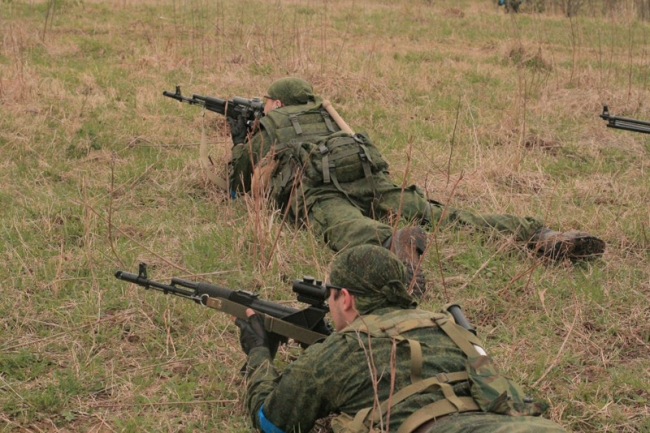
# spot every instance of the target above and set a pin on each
(100, 172)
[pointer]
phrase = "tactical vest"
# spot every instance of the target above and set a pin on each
(309, 142)
(490, 391)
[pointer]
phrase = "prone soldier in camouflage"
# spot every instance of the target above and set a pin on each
(338, 183)
(389, 366)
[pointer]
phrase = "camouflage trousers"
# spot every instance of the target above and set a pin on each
(493, 423)
(363, 212)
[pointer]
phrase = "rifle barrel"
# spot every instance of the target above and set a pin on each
(625, 123)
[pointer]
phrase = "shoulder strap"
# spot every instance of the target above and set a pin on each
(461, 337)
(390, 326)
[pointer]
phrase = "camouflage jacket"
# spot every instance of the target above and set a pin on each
(341, 374)
(244, 159)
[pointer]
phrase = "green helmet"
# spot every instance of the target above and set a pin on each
(376, 272)
(291, 91)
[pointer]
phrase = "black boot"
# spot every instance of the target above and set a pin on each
(572, 245)
(409, 245)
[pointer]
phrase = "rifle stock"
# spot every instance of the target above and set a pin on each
(305, 326)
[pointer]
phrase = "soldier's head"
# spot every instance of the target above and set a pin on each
(374, 276)
(288, 91)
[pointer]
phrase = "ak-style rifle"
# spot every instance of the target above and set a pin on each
(282, 322)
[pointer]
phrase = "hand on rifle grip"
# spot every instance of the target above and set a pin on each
(252, 333)
(238, 129)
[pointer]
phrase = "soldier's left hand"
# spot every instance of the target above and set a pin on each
(238, 129)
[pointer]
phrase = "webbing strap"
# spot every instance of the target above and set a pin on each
(359, 418)
(325, 163)
(338, 186)
(388, 326)
(294, 122)
(396, 327)
(328, 120)
(345, 153)
(335, 142)
(464, 339)
(416, 360)
(366, 161)
(436, 410)
(450, 395)
(421, 386)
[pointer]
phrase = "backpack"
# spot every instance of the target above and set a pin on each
(338, 158)
(307, 142)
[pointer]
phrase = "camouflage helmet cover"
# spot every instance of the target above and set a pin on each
(375, 271)
(291, 91)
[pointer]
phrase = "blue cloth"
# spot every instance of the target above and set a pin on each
(266, 425)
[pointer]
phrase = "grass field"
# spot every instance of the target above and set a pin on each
(484, 110)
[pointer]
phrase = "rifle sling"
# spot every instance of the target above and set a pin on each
(271, 324)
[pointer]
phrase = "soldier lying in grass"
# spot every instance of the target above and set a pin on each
(307, 159)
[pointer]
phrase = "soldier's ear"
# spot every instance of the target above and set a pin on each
(348, 300)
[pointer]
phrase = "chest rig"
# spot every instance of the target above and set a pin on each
(490, 392)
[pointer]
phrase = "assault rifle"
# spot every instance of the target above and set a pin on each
(305, 326)
(624, 122)
(249, 109)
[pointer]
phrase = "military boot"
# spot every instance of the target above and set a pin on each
(572, 245)
(409, 244)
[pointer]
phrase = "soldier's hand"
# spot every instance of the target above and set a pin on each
(252, 333)
(238, 129)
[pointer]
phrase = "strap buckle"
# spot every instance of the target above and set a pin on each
(443, 378)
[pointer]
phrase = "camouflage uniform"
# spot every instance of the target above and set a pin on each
(349, 213)
(350, 371)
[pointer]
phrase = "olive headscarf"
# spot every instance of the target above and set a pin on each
(376, 272)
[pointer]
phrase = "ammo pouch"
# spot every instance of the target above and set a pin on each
(338, 158)
(490, 391)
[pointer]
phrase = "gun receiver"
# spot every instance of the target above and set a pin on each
(305, 326)
(624, 122)
(250, 109)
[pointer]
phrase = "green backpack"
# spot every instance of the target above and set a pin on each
(337, 158)
(309, 144)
